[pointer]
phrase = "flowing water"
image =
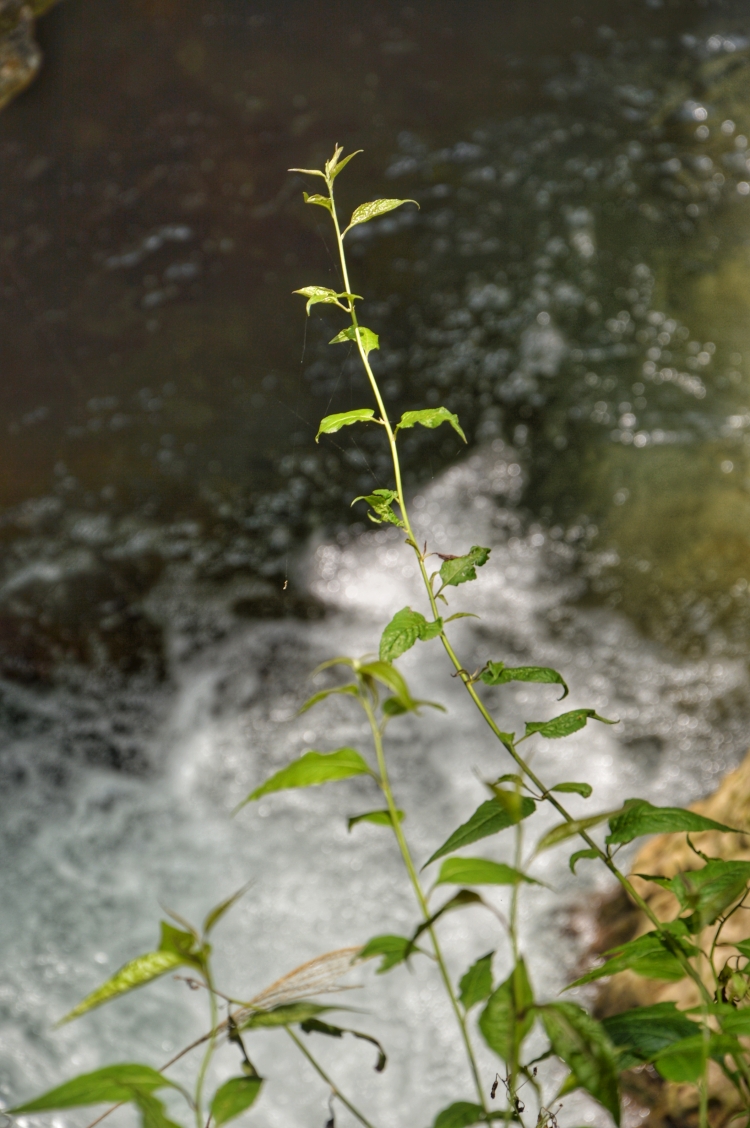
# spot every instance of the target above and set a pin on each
(574, 285)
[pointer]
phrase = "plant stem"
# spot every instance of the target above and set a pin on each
(419, 892)
(321, 1072)
(209, 1051)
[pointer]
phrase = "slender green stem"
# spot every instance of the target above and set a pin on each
(421, 899)
(209, 1051)
(321, 1072)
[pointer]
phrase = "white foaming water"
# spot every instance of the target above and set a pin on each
(83, 875)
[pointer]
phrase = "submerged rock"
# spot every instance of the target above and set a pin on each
(672, 1105)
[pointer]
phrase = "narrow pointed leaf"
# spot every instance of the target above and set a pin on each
(509, 1014)
(339, 165)
(233, 1097)
(143, 969)
(639, 817)
(110, 1085)
(312, 769)
(465, 898)
(476, 984)
(404, 629)
(460, 569)
(365, 212)
(497, 673)
(461, 1114)
(321, 201)
(394, 950)
(377, 818)
(646, 955)
(314, 1025)
(308, 171)
(480, 871)
(333, 423)
(215, 915)
(322, 694)
(566, 830)
(430, 417)
(489, 818)
(579, 856)
(565, 724)
(369, 339)
(582, 1043)
(389, 676)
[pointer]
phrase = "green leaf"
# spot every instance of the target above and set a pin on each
(308, 171)
(579, 856)
(465, 898)
(430, 417)
(480, 871)
(743, 946)
(335, 166)
(461, 1114)
(389, 676)
(377, 818)
(497, 673)
(708, 891)
(143, 969)
(565, 830)
(393, 949)
(315, 1026)
(583, 789)
(565, 724)
(368, 339)
(365, 212)
(110, 1085)
(639, 817)
(380, 502)
(509, 1014)
(316, 294)
(685, 1060)
(333, 423)
(233, 1097)
(184, 944)
(582, 1043)
(643, 1032)
(215, 915)
(489, 818)
(286, 1014)
(322, 201)
(404, 629)
(476, 984)
(647, 955)
(312, 769)
(459, 569)
(322, 694)
(153, 1113)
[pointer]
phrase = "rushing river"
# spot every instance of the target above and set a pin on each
(178, 554)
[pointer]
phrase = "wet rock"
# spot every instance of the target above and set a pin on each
(672, 1105)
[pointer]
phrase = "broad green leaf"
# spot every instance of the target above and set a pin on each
(476, 984)
(404, 629)
(389, 676)
(322, 694)
(707, 891)
(511, 801)
(321, 201)
(378, 818)
(583, 789)
(184, 944)
(333, 169)
(315, 1026)
(639, 817)
(582, 1043)
(461, 1114)
(685, 1060)
(646, 955)
(153, 1112)
(312, 769)
(736, 1022)
(143, 969)
(643, 1032)
(233, 1097)
(286, 1014)
(489, 818)
(365, 212)
(381, 501)
(743, 946)
(430, 417)
(111, 1085)
(565, 724)
(368, 339)
(497, 673)
(479, 871)
(215, 915)
(579, 856)
(333, 423)
(457, 570)
(393, 949)
(565, 830)
(509, 1014)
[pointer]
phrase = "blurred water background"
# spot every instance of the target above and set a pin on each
(576, 285)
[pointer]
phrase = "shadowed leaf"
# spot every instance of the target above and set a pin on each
(489, 818)
(565, 724)
(377, 818)
(111, 1085)
(497, 673)
(233, 1097)
(213, 918)
(639, 817)
(461, 1114)
(582, 1043)
(314, 1025)
(509, 1015)
(647, 955)
(643, 1032)
(476, 984)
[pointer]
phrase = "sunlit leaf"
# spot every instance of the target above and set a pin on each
(497, 673)
(286, 1014)
(639, 817)
(458, 569)
(315, 1026)
(476, 984)
(317, 294)
(509, 1016)
(430, 417)
(643, 1032)
(489, 818)
(321, 201)
(143, 969)
(333, 423)
(368, 339)
(233, 1097)
(404, 629)
(461, 1114)
(377, 818)
(308, 171)
(110, 1085)
(365, 212)
(582, 1043)
(339, 165)
(565, 724)
(480, 871)
(381, 502)
(312, 769)
(647, 955)
(215, 915)
(583, 789)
